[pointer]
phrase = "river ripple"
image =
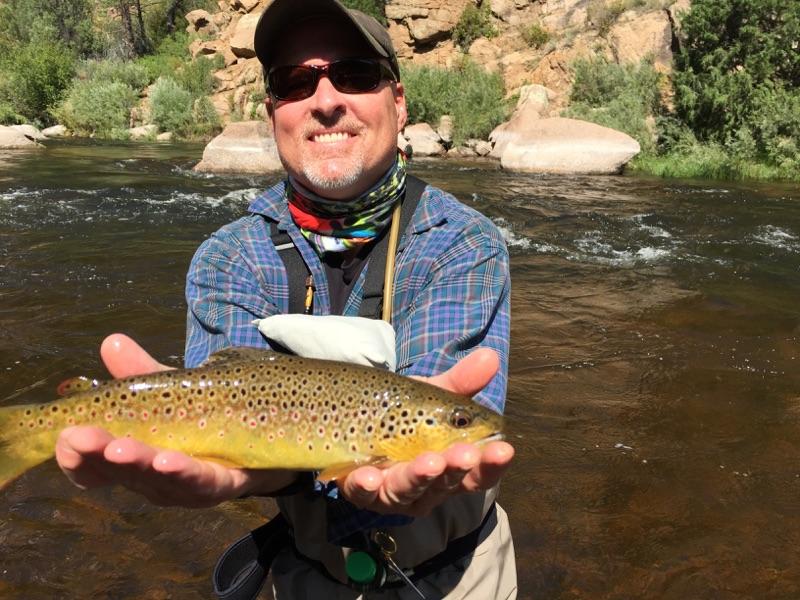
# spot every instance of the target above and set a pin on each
(654, 394)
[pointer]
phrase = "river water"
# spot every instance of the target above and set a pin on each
(654, 395)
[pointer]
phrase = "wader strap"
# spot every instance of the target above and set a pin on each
(241, 571)
(297, 270)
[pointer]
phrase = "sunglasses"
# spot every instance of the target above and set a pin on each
(348, 76)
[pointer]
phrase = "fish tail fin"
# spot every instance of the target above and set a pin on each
(21, 448)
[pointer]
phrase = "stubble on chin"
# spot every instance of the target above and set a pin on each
(327, 172)
(333, 174)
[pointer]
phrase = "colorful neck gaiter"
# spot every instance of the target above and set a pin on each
(338, 225)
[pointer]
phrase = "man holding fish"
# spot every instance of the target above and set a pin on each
(336, 106)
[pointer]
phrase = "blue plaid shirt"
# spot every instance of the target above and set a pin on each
(452, 295)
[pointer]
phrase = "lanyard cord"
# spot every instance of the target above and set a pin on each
(388, 276)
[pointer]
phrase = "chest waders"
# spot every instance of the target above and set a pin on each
(242, 569)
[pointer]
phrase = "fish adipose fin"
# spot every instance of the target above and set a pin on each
(77, 384)
(21, 446)
(342, 470)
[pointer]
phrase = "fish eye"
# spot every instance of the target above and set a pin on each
(460, 418)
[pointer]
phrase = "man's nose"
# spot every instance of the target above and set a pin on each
(327, 99)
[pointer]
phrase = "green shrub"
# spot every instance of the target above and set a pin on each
(170, 105)
(206, 122)
(170, 55)
(535, 35)
(100, 108)
(131, 74)
(370, 7)
(197, 76)
(603, 14)
(623, 97)
(37, 78)
(737, 78)
(8, 116)
(472, 96)
(475, 22)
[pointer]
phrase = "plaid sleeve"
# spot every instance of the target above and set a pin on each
(225, 291)
(463, 304)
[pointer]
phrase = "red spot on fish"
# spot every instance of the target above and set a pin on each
(153, 429)
(145, 415)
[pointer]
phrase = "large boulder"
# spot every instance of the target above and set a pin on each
(569, 146)
(424, 140)
(10, 138)
(244, 147)
(30, 132)
(55, 131)
(143, 132)
(533, 102)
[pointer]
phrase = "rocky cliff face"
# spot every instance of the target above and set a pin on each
(620, 30)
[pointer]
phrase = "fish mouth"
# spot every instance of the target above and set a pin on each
(495, 437)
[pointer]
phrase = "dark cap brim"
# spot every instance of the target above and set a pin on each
(281, 15)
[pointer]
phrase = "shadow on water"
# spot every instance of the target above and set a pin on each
(654, 396)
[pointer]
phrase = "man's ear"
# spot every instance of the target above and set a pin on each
(400, 105)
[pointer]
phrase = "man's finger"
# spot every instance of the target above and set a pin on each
(471, 374)
(495, 460)
(362, 485)
(407, 482)
(79, 454)
(123, 357)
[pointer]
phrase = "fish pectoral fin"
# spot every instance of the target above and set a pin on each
(238, 353)
(220, 461)
(342, 470)
(77, 384)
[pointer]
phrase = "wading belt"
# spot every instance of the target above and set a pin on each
(297, 271)
(241, 571)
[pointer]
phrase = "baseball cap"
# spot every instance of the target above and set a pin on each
(281, 15)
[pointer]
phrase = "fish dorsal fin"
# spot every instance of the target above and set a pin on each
(238, 353)
(77, 384)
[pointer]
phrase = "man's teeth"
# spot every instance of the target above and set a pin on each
(327, 138)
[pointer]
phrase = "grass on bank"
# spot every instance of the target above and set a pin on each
(104, 94)
(474, 98)
(628, 98)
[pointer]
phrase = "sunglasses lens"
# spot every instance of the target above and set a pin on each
(355, 76)
(349, 76)
(293, 82)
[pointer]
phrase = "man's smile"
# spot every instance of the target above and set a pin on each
(331, 138)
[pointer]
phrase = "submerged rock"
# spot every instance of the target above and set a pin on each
(244, 147)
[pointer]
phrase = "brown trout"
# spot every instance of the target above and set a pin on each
(256, 409)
